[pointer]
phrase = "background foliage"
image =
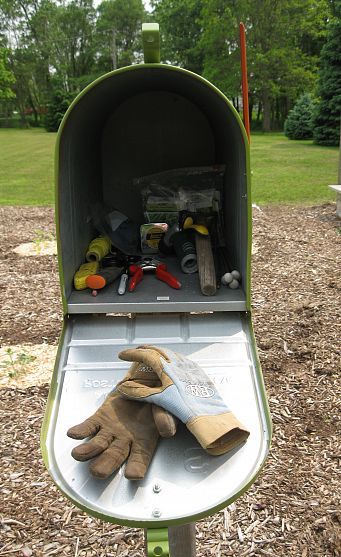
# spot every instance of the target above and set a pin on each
(51, 49)
(327, 119)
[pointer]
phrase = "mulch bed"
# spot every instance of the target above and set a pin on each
(293, 508)
(31, 311)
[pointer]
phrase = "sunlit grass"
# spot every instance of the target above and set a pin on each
(291, 172)
(283, 171)
(26, 167)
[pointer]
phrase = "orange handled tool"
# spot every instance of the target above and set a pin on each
(162, 274)
(149, 264)
(103, 277)
(137, 276)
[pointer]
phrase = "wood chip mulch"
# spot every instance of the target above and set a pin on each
(293, 509)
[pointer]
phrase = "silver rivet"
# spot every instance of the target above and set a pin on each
(157, 488)
(156, 513)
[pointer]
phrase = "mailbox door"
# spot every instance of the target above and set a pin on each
(191, 483)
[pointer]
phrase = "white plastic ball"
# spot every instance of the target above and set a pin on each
(226, 279)
(236, 275)
(234, 284)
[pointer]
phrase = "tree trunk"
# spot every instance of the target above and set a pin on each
(266, 112)
(23, 121)
(250, 111)
(35, 112)
(273, 116)
(8, 114)
(114, 50)
(339, 173)
(278, 113)
(259, 111)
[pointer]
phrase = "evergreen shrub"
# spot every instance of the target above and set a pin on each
(299, 123)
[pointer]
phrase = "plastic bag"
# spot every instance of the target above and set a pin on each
(195, 189)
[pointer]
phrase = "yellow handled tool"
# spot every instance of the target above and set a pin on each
(200, 228)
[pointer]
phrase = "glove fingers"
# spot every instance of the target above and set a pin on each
(85, 429)
(145, 355)
(97, 445)
(111, 459)
(165, 422)
(147, 379)
(140, 456)
(136, 390)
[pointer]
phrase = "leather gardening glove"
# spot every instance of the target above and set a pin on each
(121, 429)
(180, 386)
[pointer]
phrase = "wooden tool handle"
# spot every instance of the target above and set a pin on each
(206, 268)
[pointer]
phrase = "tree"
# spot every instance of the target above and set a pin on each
(312, 30)
(299, 124)
(57, 105)
(27, 25)
(180, 29)
(283, 41)
(48, 38)
(73, 42)
(278, 67)
(327, 119)
(22, 63)
(6, 77)
(220, 46)
(118, 31)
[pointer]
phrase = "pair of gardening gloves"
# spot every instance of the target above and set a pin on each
(160, 387)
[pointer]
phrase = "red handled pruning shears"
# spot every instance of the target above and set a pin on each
(149, 264)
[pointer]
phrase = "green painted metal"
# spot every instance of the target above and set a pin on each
(157, 542)
(151, 43)
(51, 399)
(157, 539)
(253, 346)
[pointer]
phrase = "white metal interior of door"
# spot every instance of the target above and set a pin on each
(183, 483)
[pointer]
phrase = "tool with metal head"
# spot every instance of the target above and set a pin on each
(147, 264)
(203, 245)
(122, 287)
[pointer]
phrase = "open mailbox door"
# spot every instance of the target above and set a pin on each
(183, 483)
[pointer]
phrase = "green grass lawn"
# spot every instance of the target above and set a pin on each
(283, 171)
(26, 167)
(291, 172)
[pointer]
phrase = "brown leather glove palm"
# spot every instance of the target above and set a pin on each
(122, 429)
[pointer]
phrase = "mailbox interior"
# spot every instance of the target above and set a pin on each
(136, 122)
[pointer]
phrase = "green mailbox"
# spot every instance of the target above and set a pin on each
(133, 122)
